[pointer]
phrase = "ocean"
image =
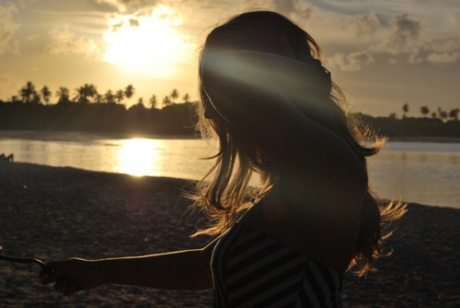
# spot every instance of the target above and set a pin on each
(421, 172)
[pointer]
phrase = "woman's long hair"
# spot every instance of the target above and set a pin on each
(225, 191)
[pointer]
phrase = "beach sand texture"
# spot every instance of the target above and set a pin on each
(54, 213)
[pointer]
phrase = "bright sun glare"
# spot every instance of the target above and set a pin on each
(138, 156)
(146, 44)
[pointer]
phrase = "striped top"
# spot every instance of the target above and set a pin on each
(252, 270)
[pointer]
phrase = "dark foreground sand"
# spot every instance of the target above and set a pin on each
(55, 213)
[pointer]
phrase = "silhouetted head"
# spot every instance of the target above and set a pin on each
(260, 31)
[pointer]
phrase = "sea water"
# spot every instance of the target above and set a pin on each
(422, 172)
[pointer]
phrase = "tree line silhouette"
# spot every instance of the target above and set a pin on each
(88, 110)
(442, 114)
(439, 123)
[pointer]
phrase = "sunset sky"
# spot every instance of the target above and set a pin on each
(383, 53)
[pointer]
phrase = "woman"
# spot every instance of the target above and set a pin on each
(274, 109)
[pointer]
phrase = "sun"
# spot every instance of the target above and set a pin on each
(146, 44)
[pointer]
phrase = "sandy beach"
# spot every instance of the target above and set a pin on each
(54, 213)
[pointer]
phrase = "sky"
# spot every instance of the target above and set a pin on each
(383, 54)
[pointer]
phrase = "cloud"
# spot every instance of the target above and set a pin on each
(131, 5)
(7, 29)
(351, 62)
(133, 22)
(65, 42)
(366, 24)
(115, 27)
(407, 38)
(443, 58)
(443, 51)
(300, 9)
(446, 45)
(404, 36)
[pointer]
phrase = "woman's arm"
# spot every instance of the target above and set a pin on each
(181, 270)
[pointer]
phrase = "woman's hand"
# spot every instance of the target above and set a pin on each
(73, 275)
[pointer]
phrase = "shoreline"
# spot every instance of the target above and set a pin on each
(61, 212)
(78, 135)
(424, 139)
(46, 135)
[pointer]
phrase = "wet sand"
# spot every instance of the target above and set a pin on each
(54, 213)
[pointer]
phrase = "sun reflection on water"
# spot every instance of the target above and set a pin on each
(138, 156)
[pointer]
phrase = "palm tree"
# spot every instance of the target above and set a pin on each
(405, 109)
(186, 98)
(27, 92)
(85, 91)
(80, 95)
(140, 102)
(46, 94)
(23, 94)
(153, 101)
(424, 110)
(174, 94)
(453, 114)
(166, 101)
(129, 91)
(443, 115)
(119, 96)
(36, 99)
(90, 90)
(99, 98)
(109, 97)
(63, 94)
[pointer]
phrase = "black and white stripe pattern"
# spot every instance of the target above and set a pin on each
(253, 270)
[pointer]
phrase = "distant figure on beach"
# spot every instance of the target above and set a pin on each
(270, 102)
(9, 158)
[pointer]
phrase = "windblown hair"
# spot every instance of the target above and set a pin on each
(225, 191)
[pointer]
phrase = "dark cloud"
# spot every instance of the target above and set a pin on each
(405, 30)
(117, 26)
(404, 37)
(134, 22)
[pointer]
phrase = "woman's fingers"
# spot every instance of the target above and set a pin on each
(70, 276)
(50, 274)
(61, 284)
(46, 278)
(67, 286)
